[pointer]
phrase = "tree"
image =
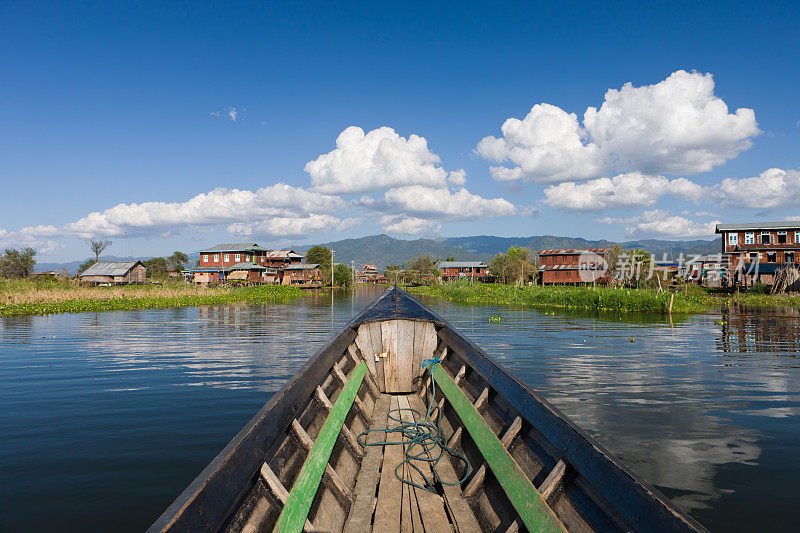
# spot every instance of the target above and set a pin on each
(97, 248)
(393, 272)
(86, 264)
(514, 265)
(319, 255)
(451, 258)
(342, 275)
(178, 260)
(156, 267)
(17, 263)
(501, 267)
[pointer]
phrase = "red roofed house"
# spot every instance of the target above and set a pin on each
(573, 266)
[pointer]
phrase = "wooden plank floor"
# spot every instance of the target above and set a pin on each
(400, 507)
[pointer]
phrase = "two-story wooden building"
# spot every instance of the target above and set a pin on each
(244, 261)
(573, 266)
(755, 251)
(370, 274)
(452, 270)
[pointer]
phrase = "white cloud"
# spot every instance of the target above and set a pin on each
(32, 237)
(215, 207)
(547, 146)
(403, 225)
(677, 126)
(624, 190)
(288, 226)
(233, 114)
(458, 205)
(376, 160)
(658, 223)
(772, 188)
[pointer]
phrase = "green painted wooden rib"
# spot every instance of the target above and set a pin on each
(528, 502)
(301, 497)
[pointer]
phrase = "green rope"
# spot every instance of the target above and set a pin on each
(425, 435)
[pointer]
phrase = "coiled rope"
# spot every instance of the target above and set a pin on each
(425, 436)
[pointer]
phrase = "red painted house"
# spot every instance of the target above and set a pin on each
(248, 261)
(452, 270)
(755, 251)
(573, 266)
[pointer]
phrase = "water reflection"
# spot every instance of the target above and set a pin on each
(119, 411)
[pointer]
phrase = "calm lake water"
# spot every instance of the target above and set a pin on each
(106, 417)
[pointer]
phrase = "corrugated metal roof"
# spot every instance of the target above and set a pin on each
(304, 266)
(246, 266)
(573, 251)
(786, 224)
(236, 247)
(283, 254)
(110, 268)
(462, 264)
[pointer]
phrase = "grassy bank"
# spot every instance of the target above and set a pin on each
(600, 298)
(23, 297)
(693, 300)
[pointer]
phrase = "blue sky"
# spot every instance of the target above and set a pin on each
(107, 105)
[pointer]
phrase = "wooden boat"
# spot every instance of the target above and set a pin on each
(299, 464)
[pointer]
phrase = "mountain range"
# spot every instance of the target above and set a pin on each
(382, 250)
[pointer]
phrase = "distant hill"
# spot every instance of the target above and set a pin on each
(490, 245)
(382, 250)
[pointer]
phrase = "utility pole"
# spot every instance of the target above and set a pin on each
(332, 264)
(353, 270)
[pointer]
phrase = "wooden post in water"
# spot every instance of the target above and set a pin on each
(671, 298)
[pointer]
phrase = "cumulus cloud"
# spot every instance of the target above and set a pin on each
(772, 188)
(377, 160)
(458, 205)
(658, 223)
(676, 126)
(624, 190)
(32, 237)
(405, 225)
(288, 226)
(215, 207)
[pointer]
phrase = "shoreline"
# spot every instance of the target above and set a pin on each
(695, 301)
(21, 300)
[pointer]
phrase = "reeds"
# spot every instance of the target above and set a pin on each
(23, 297)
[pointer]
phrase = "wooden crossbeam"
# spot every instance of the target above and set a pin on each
(280, 492)
(482, 399)
(356, 355)
(528, 502)
(480, 474)
(360, 407)
(346, 434)
(554, 480)
(335, 482)
(301, 497)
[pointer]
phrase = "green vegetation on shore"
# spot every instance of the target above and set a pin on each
(692, 300)
(25, 297)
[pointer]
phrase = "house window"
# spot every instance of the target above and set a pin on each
(764, 237)
(227, 257)
(771, 257)
(733, 238)
(247, 258)
(754, 257)
(205, 258)
(749, 238)
(782, 237)
(238, 258)
(797, 237)
(216, 257)
(789, 257)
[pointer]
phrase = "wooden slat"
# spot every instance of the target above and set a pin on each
(419, 350)
(387, 511)
(431, 506)
(280, 492)
(364, 342)
(389, 342)
(357, 357)
(377, 346)
(405, 355)
(335, 482)
(362, 409)
(534, 511)
(346, 434)
(553, 480)
(480, 474)
(360, 516)
(482, 399)
(463, 517)
(295, 512)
